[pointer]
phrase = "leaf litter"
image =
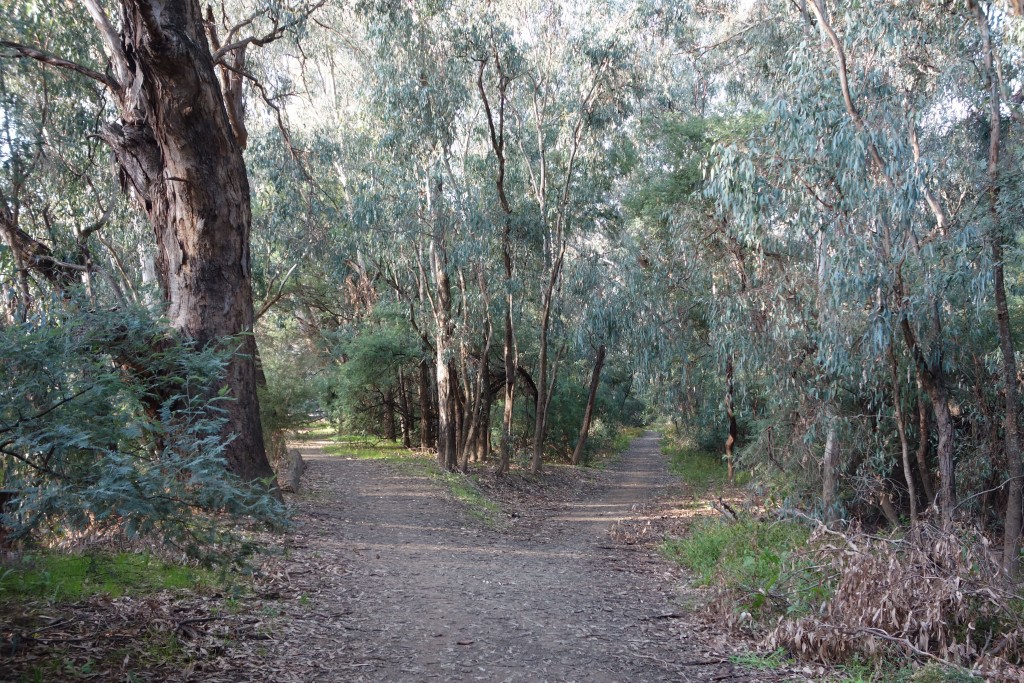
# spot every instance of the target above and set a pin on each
(385, 577)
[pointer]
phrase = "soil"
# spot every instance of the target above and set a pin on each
(401, 584)
(386, 577)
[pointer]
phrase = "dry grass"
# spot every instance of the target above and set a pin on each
(932, 596)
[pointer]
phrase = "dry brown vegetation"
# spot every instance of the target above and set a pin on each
(932, 596)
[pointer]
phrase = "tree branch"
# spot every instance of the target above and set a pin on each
(271, 300)
(275, 33)
(111, 41)
(60, 63)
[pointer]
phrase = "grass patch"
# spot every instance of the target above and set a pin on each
(366, 448)
(745, 556)
(67, 578)
(936, 673)
(315, 432)
(703, 471)
(761, 661)
(464, 489)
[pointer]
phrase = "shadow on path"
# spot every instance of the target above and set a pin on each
(403, 586)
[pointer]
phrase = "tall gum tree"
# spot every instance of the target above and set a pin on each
(177, 152)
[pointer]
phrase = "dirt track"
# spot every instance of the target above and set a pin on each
(392, 581)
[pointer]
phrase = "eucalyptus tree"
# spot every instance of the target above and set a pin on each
(179, 152)
(576, 86)
(853, 242)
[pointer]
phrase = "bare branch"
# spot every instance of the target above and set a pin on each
(111, 41)
(271, 300)
(275, 33)
(60, 63)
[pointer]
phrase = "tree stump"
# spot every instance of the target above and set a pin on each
(290, 472)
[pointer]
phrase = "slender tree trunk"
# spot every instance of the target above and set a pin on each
(508, 406)
(831, 457)
(545, 388)
(496, 129)
(480, 406)
(730, 411)
(447, 455)
(588, 414)
(426, 409)
(830, 470)
(901, 428)
(390, 430)
(934, 384)
(1011, 431)
(483, 442)
(923, 430)
(447, 426)
(460, 410)
(406, 410)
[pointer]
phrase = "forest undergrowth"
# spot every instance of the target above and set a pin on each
(903, 604)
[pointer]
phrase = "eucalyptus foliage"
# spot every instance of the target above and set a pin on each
(88, 448)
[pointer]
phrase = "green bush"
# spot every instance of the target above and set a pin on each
(110, 424)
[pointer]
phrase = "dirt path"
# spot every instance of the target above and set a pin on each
(388, 580)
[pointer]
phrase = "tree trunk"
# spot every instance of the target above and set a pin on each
(496, 129)
(545, 387)
(426, 409)
(830, 470)
(934, 384)
(923, 431)
(995, 237)
(405, 409)
(540, 417)
(595, 382)
(390, 428)
(730, 411)
(176, 149)
(483, 441)
(447, 440)
(901, 428)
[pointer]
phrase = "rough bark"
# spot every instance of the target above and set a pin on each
(177, 153)
(730, 412)
(588, 414)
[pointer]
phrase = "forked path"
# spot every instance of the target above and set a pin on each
(400, 584)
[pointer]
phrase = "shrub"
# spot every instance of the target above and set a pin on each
(111, 425)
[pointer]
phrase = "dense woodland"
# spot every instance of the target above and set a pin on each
(499, 231)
